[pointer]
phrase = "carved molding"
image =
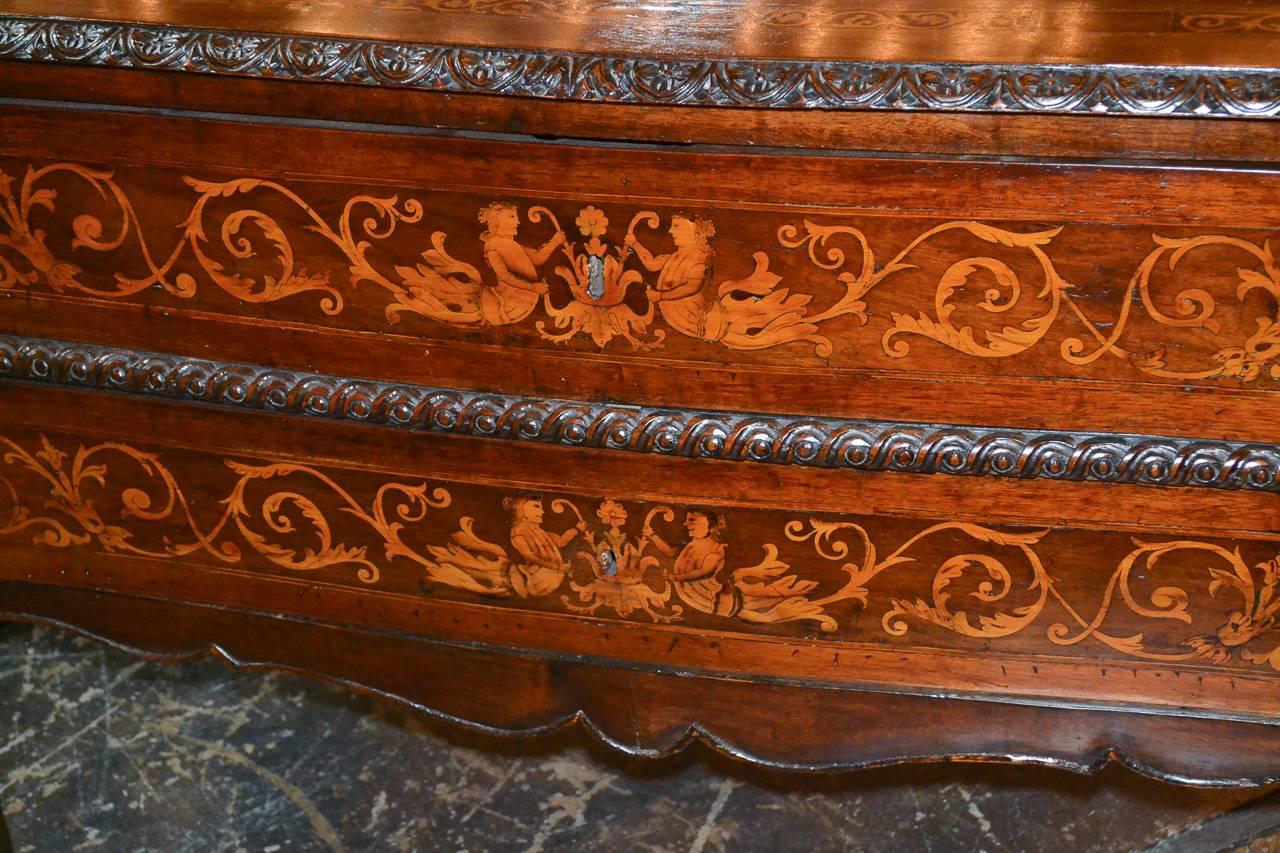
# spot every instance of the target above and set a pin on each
(745, 437)
(1130, 90)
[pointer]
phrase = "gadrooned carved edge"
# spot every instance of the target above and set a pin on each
(815, 442)
(1111, 89)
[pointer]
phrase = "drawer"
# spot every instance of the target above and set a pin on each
(606, 571)
(1034, 295)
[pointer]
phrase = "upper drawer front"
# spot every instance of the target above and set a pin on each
(912, 289)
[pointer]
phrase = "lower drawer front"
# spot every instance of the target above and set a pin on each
(1055, 591)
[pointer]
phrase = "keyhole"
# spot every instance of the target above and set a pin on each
(595, 277)
(609, 563)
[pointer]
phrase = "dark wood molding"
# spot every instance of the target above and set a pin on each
(600, 78)
(741, 437)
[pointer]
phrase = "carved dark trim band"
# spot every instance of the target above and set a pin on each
(817, 442)
(1131, 90)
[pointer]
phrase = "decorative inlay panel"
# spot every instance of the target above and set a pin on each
(961, 584)
(819, 442)
(808, 290)
(1133, 90)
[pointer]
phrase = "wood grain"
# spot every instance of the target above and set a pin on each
(1069, 137)
(1019, 313)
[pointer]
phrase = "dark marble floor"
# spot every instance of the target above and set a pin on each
(102, 752)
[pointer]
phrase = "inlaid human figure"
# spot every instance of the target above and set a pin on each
(698, 563)
(540, 567)
(750, 313)
(518, 286)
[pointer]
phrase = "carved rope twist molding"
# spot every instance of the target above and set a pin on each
(1133, 90)
(816, 442)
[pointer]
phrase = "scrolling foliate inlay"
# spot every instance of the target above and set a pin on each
(649, 561)
(655, 281)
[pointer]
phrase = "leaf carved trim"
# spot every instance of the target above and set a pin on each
(742, 437)
(1126, 90)
(674, 563)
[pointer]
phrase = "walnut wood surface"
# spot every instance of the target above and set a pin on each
(705, 79)
(736, 436)
(1069, 137)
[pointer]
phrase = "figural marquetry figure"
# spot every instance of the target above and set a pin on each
(751, 313)
(541, 566)
(519, 286)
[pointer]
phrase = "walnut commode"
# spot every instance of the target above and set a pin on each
(836, 388)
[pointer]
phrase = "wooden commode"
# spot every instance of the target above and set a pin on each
(835, 384)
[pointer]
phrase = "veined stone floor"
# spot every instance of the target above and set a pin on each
(99, 751)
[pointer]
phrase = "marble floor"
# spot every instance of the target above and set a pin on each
(99, 751)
